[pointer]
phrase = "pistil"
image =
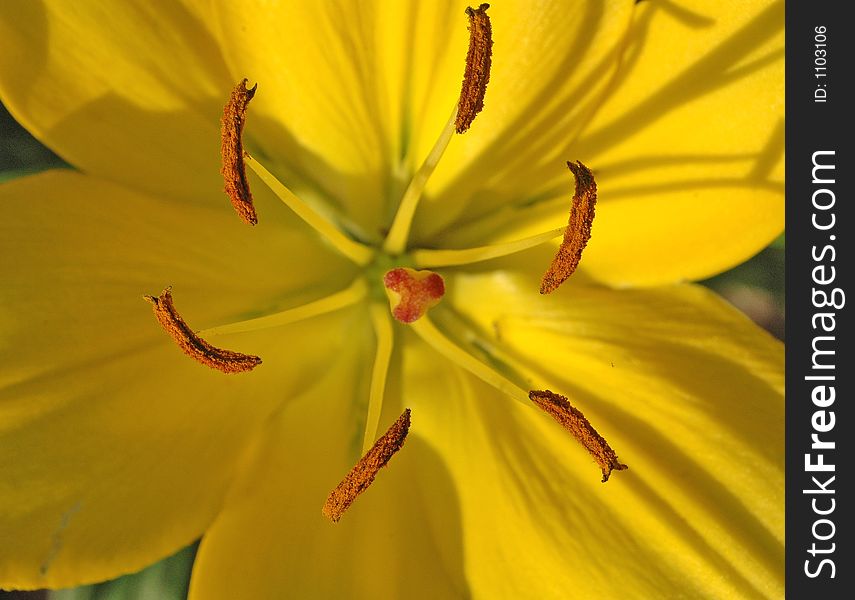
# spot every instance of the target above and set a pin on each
(412, 293)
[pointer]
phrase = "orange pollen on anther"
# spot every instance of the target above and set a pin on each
(362, 475)
(578, 230)
(411, 293)
(234, 169)
(193, 346)
(570, 418)
(477, 74)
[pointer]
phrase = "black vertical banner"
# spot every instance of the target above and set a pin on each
(820, 361)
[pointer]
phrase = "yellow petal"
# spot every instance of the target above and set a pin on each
(109, 436)
(691, 146)
(132, 92)
(687, 392)
(355, 96)
(383, 547)
(687, 151)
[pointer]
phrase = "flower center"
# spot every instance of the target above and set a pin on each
(410, 280)
(411, 293)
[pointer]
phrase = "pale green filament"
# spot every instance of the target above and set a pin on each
(385, 337)
(396, 241)
(430, 334)
(424, 259)
(347, 297)
(361, 255)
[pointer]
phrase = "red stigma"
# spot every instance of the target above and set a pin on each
(418, 291)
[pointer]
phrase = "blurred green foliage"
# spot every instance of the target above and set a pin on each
(167, 580)
(756, 287)
(21, 153)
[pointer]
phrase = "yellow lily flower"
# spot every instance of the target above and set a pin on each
(116, 450)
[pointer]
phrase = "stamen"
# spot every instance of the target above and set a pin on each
(477, 74)
(470, 103)
(385, 337)
(434, 338)
(557, 406)
(362, 475)
(411, 293)
(336, 301)
(193, 346)
(571, 419)
(234, 171)
(578, 230)
(465, 256)
(361, 255)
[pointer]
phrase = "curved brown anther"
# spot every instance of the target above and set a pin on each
(578, 230)
(570, 418)
(477, 74)
(234, 170)
(193, 346)
(361, 476)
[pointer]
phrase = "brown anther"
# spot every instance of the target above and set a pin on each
(477, 73)
(361, 476)
(193, 346)
(570, 418)
(578, 230)
(234, 170)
